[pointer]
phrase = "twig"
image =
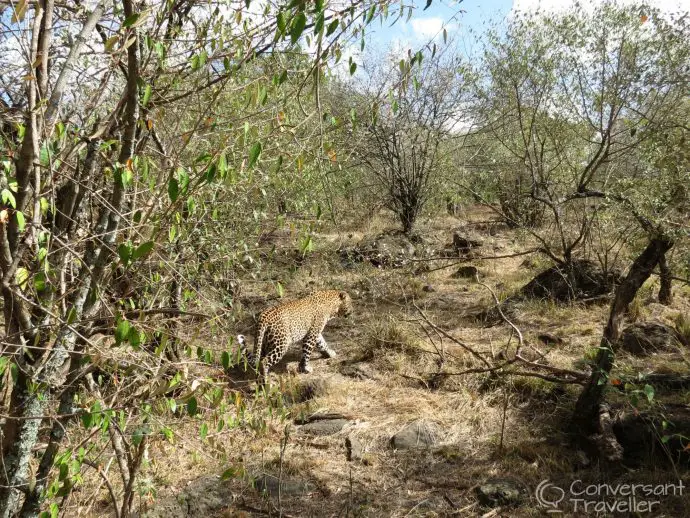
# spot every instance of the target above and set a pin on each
(107, 484)
(452, 338)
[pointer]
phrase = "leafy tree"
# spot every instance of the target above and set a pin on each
(112, 150)
(409, 111)
(569, 100)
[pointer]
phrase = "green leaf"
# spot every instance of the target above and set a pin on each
(332, 27)
(183, 177)
(173, 189)
(134, 337)
(222, 165)
(122, 331)
(125, 253)
(147, 95)
(298, 25)
(225, 359)
(8, 198)
(192, 406)
(138, 435)
(280, 290)
(428, 4)
(142, 250)
(110, 43)
(281, 23)
(21, 222)
(318, 25)
(254, 154)
(40, 280)
(263, 96)
(649, 392)
(283, 77)
(370, 15)
(21, 277)
(353, 68)
(131, 20)
(203, 431)
(160, 50)
(72, 316)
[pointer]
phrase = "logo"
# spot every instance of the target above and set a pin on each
(549, 496)
(626, 498)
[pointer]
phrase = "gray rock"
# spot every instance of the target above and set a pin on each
(466, 272)
(201, 497)
(387, 250)
(644, 339)
(464, 244)
(324, 427)
(416, 435)
(580, 279)
(354, 447)
(497, 492)
(306, 390)
(361, 371)
(549, 339)
(287, 487)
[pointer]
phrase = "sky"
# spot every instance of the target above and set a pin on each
(463, 27)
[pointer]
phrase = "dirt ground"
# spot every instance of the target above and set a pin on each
(383, 379)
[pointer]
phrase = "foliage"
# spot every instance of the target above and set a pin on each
(409, 114)
(143, 146)
(569, 104)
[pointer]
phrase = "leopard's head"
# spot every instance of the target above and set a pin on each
(345, 309)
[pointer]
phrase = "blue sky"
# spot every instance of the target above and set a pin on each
(465, 27)
(425, 24)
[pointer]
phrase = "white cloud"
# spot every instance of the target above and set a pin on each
(427, 27)
(588, 5)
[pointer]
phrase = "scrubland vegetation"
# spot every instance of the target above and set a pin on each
(512, 227)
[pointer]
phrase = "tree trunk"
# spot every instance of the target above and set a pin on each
(665, 274)
(588, 406)
(38, 382)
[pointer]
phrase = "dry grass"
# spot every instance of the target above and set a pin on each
(466, 414)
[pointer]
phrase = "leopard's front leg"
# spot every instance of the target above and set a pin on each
(323, 348)
(307, 348)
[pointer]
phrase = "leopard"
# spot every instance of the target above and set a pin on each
(301, 320)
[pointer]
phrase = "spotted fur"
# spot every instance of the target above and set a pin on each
(300, 320)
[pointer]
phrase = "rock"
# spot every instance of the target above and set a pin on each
(580, 280)
(464, 244)
(387, 250)
(306, 391)
(324, 427)
(416, 435)
(549, 339)
(354, 448)
(466, 272)
(497, 492)
(643, 339)
(361, 371)
(649, 438)
(202, 497)
(287, 487)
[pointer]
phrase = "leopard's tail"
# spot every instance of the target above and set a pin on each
(253, 358)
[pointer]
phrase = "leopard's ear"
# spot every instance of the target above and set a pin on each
(342, 295)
